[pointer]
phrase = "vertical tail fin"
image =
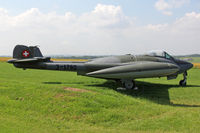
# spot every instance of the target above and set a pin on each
(23, 52)
(36, 51)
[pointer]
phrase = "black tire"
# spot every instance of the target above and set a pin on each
(129, 84)
(182, 83)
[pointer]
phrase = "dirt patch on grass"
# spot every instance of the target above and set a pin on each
(75, 89)
(66, 95)
(59, 95)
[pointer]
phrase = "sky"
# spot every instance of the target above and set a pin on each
(101, 27)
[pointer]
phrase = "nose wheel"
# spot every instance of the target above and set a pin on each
(184, 81)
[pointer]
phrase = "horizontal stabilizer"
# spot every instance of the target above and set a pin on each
(29, 60)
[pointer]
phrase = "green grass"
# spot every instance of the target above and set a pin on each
(194, 59)
(36, 101)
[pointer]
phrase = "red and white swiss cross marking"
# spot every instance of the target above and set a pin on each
(25, 53)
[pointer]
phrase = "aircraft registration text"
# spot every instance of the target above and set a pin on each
(67, 67)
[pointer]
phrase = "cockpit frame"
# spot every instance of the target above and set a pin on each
(161, 54)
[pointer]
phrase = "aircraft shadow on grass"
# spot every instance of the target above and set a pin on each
(157, 93)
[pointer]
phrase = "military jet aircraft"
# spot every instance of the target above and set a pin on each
(123, 68)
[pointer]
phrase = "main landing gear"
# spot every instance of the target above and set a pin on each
(129, 84)
(184, 81)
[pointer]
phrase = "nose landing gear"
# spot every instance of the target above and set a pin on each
(184, 81)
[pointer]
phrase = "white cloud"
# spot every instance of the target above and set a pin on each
(3, 11)
(189, 24)
(178, 3)
(162, 5)
(168, 13)
(104, 30)
(106, 16)
(180, 36)
(158, 27)
(165, 6)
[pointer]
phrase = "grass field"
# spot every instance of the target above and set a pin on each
(193, 59)
(196, 59)
(52, 101)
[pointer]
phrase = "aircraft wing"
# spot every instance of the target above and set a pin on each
(136, 70)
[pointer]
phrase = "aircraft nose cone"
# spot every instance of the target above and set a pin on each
(190, 65)
(187, 65)
(184, 65)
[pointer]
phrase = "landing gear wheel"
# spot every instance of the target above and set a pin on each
(182, 83)
(129, 84)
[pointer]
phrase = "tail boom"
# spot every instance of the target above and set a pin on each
(31, 58)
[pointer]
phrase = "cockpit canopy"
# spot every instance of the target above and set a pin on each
(159, 53)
